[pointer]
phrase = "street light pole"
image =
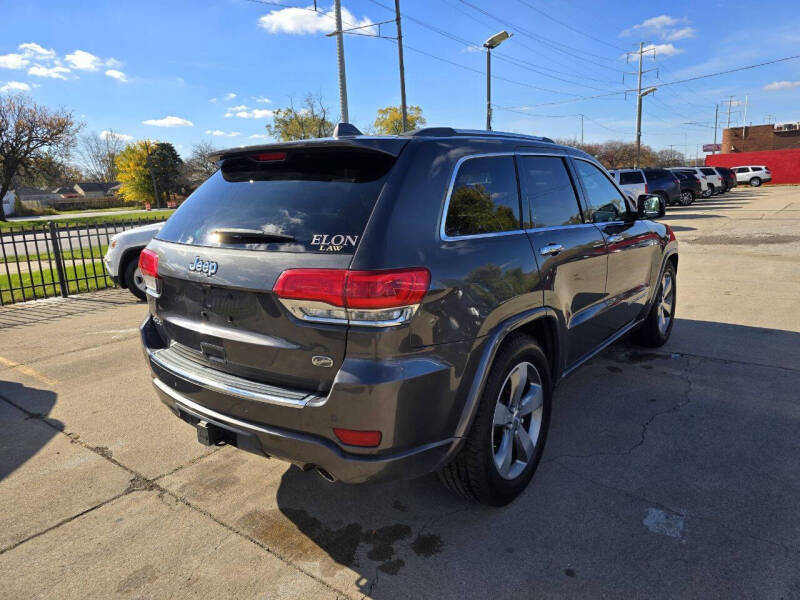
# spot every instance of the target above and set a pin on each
(490, 44)
(340, 59)
(402, 68)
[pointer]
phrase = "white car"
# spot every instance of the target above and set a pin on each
(754, 175)
(630, 181)
(712, 179)
(122, 257)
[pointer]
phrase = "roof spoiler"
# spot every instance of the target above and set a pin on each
(345, 130)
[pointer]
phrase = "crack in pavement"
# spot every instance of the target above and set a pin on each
(139, 483)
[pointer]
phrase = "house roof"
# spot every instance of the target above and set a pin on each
(65, 189)
(91, 186)
(22, 191)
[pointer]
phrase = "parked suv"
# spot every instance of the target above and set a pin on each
(754, 175)
(690, 187)
(728, 177)
(705, 189)
(384, 307)
(122, 257)
(660, 182)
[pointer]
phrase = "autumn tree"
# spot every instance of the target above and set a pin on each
(133, 172)
(200, 165)
(307, 122)
(28, 132)
(390, 120)
(98, 153)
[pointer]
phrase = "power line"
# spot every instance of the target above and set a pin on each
(570, 27)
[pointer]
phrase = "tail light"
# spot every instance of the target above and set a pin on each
(148, 266)
(377, 298)
(646, 189)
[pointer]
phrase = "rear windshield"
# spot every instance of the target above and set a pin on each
(707, 171)
(629, 177)
(303, 200)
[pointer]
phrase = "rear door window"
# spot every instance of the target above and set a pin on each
(629, 177)
(484, 198)
(548, 190)
(708, 171)
(303, 200)
(605, 203)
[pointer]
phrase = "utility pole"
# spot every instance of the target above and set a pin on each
(581, 116)
(402, 68)
(340, 59)
(716, 119)
(744, 120)
(639, 95)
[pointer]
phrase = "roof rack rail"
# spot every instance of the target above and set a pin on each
(450, 132)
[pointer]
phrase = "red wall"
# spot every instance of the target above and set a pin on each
(784, 164)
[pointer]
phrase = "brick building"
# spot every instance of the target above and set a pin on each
(759, 138)
(775, 146)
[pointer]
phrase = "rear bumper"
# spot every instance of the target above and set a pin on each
(411, 403)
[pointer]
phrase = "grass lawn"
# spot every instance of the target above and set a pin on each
(109, 218)
(77, 254)
(48, 279)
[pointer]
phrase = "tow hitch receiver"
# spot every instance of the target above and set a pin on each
(210, 435)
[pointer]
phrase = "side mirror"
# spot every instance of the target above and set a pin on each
(650, 206)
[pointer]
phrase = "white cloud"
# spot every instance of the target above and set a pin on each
(218, 133)
(684, 33)
(664, 49)
(168, 121)
(15, 86)
(37, 51)
(301, 21)
(83, 61)
(256, 113)
(258, 136)
(240, 107)
(105, 134)
(262, 99)
(118, 75)
(13, 61)
(666, 27)
(777, 86)
(49, 72)
(229, 96)
(212, 100)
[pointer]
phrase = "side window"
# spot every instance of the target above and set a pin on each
(484, 197)
(605, 203)
(627, 177)
(708, 171)
(547, 189)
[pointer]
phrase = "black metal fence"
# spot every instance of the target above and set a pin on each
(56, 258)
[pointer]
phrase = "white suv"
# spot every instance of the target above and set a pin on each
(754, 175)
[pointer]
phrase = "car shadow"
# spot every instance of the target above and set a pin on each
(634, 433)
(21, 437)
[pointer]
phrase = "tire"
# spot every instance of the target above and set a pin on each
(713, 189)
(687, 197)
(755, 181)
(657, 326)
(474, 473)
(132, 278)
(708, 192)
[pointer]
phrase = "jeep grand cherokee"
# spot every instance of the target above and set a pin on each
(384, 307)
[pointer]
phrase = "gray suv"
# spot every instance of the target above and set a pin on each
(383, 307)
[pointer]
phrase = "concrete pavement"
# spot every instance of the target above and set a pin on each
(667, 474)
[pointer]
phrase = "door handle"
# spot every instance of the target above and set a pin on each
(551, 249)
(613, 239)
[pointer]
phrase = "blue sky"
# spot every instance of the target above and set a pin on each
(183, 71)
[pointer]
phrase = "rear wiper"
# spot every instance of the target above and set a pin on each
(250, 236)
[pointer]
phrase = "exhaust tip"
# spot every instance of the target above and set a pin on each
(325, 475)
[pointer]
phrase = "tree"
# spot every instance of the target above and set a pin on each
(390, 120)
(133, 172)
(28, 131)
(200, 165)
(310, 121)
(165, 168)
(98, 153)
(48, 172)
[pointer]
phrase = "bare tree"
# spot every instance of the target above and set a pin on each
(200, 165)
(27, 132)
(312, 120)
(98, 153)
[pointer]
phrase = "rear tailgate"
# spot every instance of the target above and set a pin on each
(220, 254)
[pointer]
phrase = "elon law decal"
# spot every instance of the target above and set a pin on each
(333, 243)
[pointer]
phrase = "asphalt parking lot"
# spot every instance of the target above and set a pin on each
(673, 473)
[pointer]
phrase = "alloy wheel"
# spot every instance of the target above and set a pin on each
(686, 198)
(138, 280)
(517, 423)
(666, 303)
